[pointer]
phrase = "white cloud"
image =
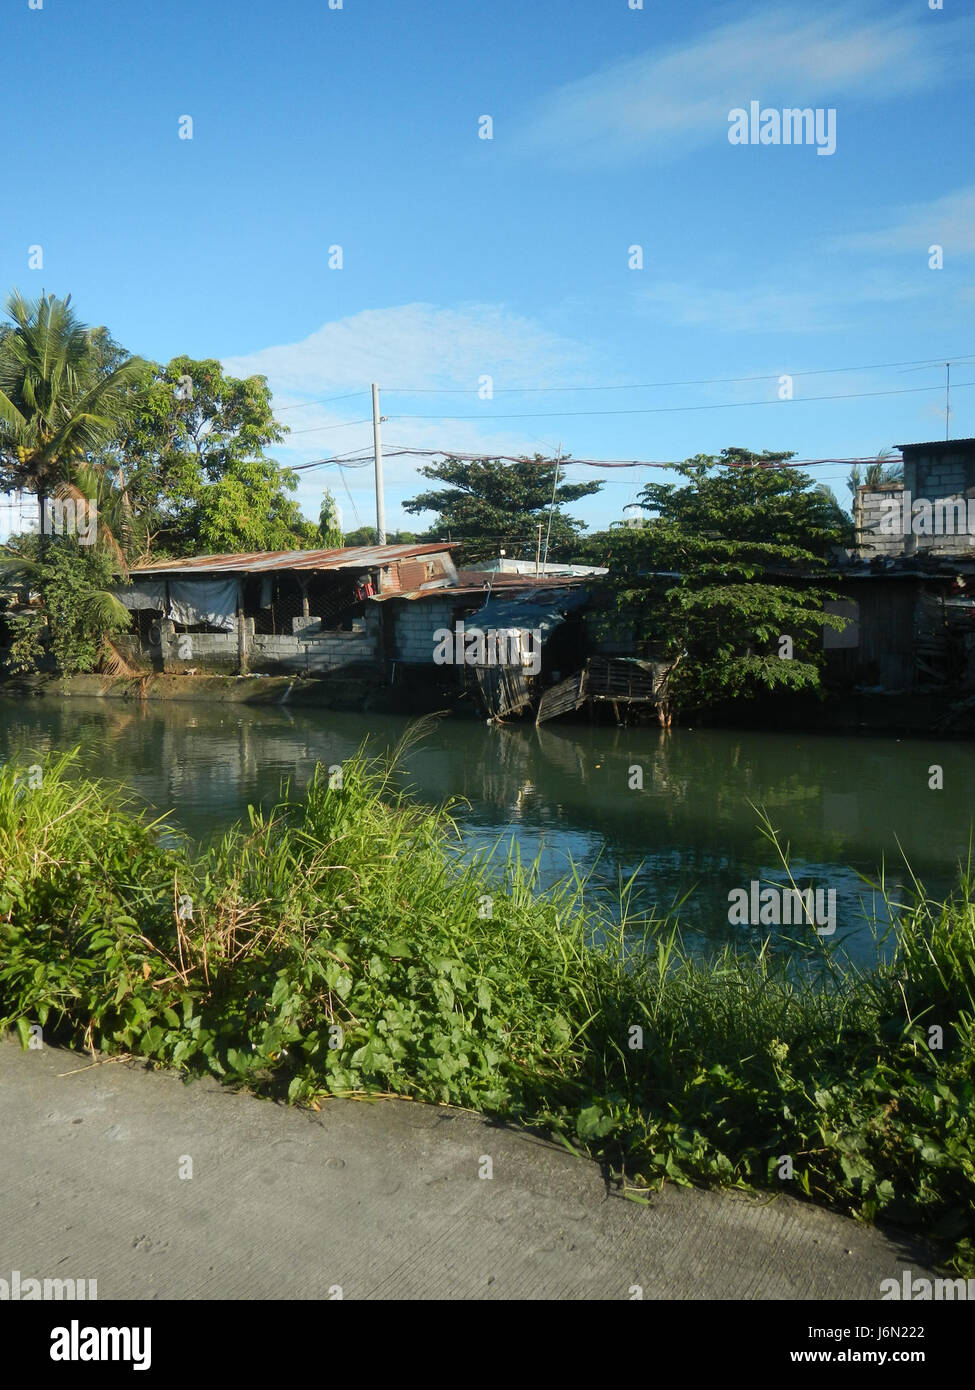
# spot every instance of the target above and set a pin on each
(753, 309)
(413, 345)
(948, 222)
(666, 101)
(419, 345)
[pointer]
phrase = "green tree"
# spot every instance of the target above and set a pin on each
(489, 504)
(367, 535)
(329, 535)
(193, 464)
(76, 618)
(725, 567)
(66, 391)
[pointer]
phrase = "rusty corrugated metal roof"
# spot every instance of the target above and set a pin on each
(348, 557)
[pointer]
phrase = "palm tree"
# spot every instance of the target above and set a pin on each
(825, 491)
(65, 390)
(878, 473)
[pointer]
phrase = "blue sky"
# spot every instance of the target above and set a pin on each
(464, 257)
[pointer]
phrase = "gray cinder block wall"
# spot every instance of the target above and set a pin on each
(870, 507)
(938, 472)
(309, 651)
(947, 471)
(415, 622)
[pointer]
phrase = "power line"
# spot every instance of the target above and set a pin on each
(675, 409)
(654, 385)
(327, 400)
(343, 425)
(464, 457)
(920, 362)
(324, 463)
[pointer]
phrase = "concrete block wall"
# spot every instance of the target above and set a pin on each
(217, 653)
(214, 652)
(934, 474)
(415, 623)
(945, 474)
(872, 507)
(312, 627)
(312, 656)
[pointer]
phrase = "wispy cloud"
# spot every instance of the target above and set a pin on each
(948, 222)
(753, 309)
(419, 346)
(668, 100)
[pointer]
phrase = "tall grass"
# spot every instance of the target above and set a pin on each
(343, 944)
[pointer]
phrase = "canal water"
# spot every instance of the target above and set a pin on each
(846, 806)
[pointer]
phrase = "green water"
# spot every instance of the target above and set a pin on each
(564, 791)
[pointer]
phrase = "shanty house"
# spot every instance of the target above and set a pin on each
(298, 612)
(416, 617)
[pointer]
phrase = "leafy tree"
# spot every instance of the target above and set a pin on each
(193, 464)
(488, 504)
(329, 534)
(77, 616)
(246, 510)
(65, 393)
(367, 535)
(726, 566)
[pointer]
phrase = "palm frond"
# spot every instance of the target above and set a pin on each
(106, 611)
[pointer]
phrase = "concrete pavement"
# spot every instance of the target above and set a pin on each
(376, 1200)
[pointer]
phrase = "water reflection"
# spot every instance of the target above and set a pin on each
(563, 791)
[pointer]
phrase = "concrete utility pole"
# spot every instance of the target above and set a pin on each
(378, 448)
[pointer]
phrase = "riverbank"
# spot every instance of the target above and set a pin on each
(352, 692)
(899, 713)
(257, 689)
(860, 713)
(337, 946)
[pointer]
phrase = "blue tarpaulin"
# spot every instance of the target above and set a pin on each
(542, 610)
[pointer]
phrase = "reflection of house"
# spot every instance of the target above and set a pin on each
(293, 611)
